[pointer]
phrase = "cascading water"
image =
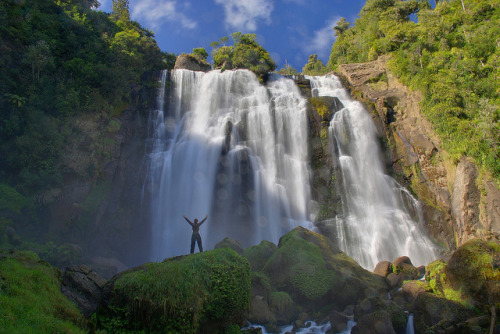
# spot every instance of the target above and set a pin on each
(231, 148)
(381, 220)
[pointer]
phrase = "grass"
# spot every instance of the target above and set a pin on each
(30, 297)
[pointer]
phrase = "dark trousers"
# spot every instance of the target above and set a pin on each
(196, 237)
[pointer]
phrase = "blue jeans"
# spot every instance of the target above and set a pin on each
(196, 237)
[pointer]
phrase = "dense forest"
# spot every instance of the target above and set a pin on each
(61, 58)
(450, 53)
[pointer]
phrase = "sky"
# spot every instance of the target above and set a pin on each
(290, 30)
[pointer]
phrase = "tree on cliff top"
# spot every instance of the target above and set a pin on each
(246, 53)
(314, 66)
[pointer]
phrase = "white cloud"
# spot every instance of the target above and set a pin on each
(157, 12)
(244, 15)
(322, 40)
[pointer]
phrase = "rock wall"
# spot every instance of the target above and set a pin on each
(97, 210)
(458, 205)
(189, 62)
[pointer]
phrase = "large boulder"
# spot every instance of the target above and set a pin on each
(204, 293)
(454, 293)
(315, 273)
(84, 287)
(192, 63)
(230, 243)
(259, 254)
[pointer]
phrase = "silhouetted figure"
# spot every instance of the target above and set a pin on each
(196, 237)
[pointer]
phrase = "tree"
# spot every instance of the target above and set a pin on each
(288, 70)
(314, 66)
(121, 10)
(342, 25)
(38, 55)
(200, 53)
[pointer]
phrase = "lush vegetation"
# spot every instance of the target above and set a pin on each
(450, 53)
(60, 59)
(314, 66)
(209, 290)
(246, 53)
(63, 63)
(31, 300)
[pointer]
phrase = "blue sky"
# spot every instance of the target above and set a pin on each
(290, 30)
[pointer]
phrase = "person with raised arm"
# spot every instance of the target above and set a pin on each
(196, 237)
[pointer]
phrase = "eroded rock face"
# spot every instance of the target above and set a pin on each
(188, 62)
(84, 287)
(454, 209)
(465, 201)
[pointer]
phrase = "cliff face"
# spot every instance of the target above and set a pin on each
(96, 213)
(458, 206)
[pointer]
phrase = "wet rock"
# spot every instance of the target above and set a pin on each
(376, 323)
(259, 312)
(383, 268)
(412, 289)
(283, 307)
(190, 62)
(316, 273)
(338, 321)
(84, 287)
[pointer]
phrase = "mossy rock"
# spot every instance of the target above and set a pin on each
(207, 292)
(477, 265)
(316, 273)
(259, 254)
(30, 297)
(472, 275)
(230, 243)
(283, 307)
(430, 310)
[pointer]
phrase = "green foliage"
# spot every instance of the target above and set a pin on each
(31, 300)
(11, 199)
(306, 269)
(314, 66)
(200, 53)
(180, 295)
(246, 53)
(280, 300)
(258, 255)
(60, 59)
(288, 70)
(450, 54)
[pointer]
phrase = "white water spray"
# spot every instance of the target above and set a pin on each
(381, 220)
(231, 148)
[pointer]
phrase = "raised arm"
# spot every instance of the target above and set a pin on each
(203, 220)
(190, 223)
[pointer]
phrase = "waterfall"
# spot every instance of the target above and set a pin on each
(410, 329)
(381, 220)
(227, 146)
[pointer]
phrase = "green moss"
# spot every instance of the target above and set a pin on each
(114, 126)
(259, 254)
(30, 297)
(180, 294)
(320, 106)
(280, 300)
(442, 285)
(11, 199)
(302, 266)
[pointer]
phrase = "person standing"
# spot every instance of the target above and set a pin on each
(196, 237)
